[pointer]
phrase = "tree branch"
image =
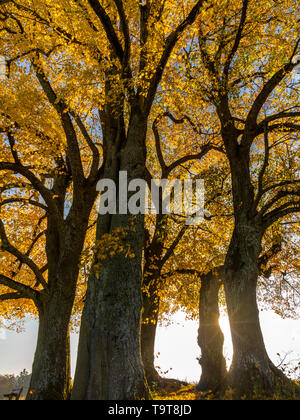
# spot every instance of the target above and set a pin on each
(63, 112)
(8, 247)
(237, 39)
(204, 151)
(266, 91)
(23, 200)
(280, 184)
(173, 246)
(108, 27)
(60, 31)
(282, 211)
(279, 115)
(166, 169)
(279, 196)
(169, 46)
(125, 30)
(19, 287)
(36, 183)
(264, 166)
(158, 145)
(12, 296)
(90, 143)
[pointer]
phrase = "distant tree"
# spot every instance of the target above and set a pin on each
(7, 383)
(10, 382)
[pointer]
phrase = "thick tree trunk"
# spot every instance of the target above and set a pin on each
(252, 373)
(51, 373)
(148, 334)
(51, 376)
(115, 368)
(109, 365)
(151, 296)
(210, 337)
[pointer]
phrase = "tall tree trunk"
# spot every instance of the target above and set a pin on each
(151, 294)
(210, 336)
(51, 376)
(51, 372)
(109, 365)
(251, 371)
(148, 333)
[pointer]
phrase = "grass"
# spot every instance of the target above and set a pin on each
(177, 391)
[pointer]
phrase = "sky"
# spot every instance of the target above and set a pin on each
(176, 345)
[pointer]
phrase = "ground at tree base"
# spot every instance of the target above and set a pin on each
(178, 390)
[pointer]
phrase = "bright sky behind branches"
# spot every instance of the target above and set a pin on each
(177, 345)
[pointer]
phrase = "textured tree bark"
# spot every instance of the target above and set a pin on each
(151, 296)
(210, 337)
(252, 373)
(116, 370)
(51, 371)
(251, 370)
(109, 365)
(51, 377)
(148, 334)
(251, 367)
